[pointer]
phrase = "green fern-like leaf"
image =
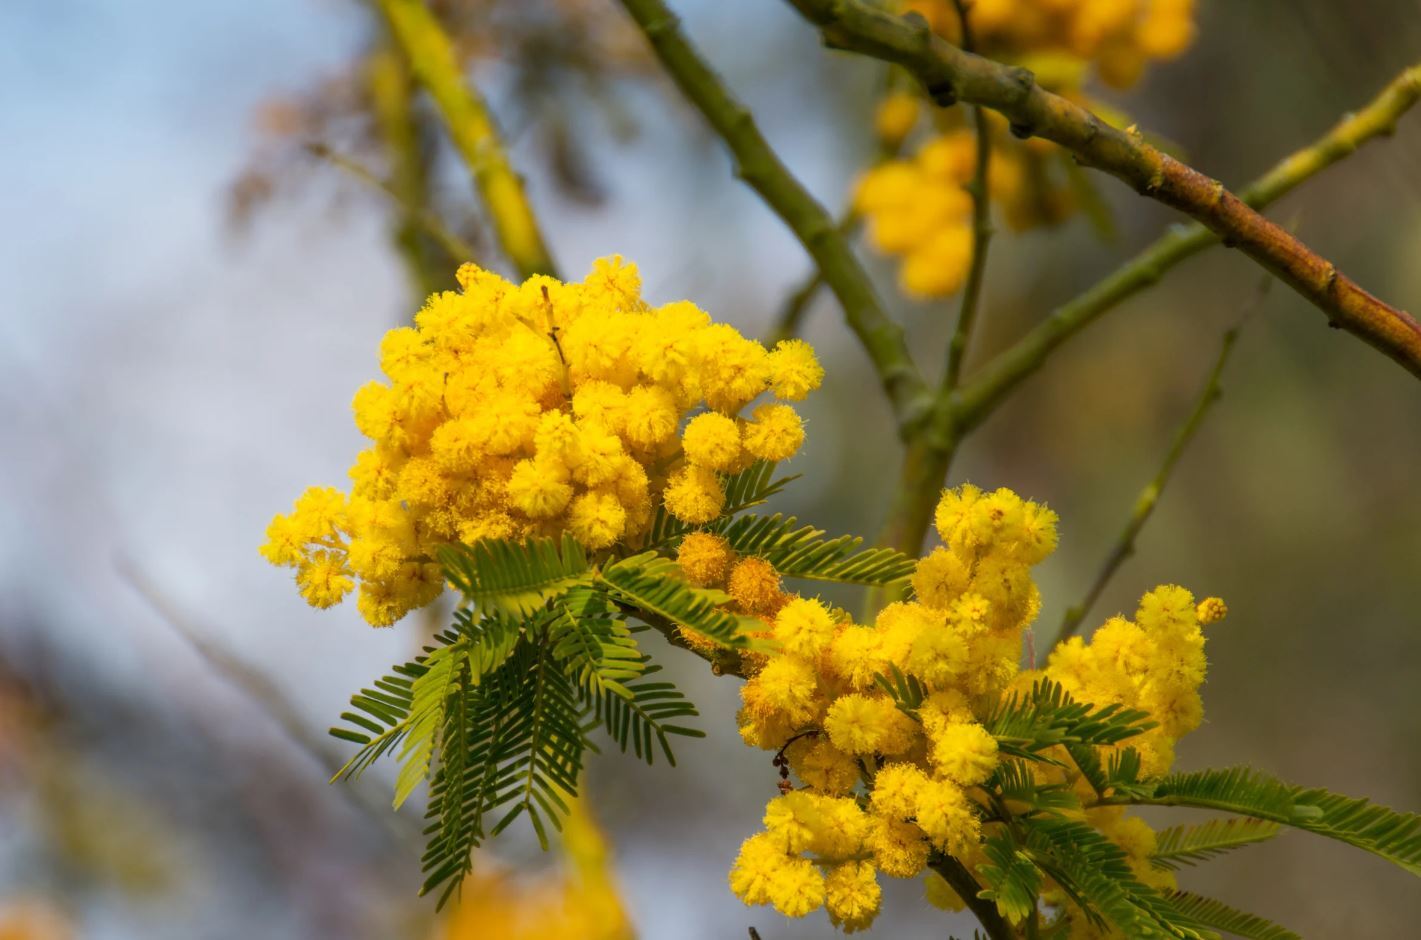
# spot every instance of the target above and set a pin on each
(1219, 916)
(379, 719)
(1189, 845)
(429, 695)
(655, 585)
(905, 690)
(516, 751)
(1013, 880)
(1247, 792)
(1096, 874)
(1014, 781)
(1029, 723)
(643, 719)
(593, 641)
(548, 760)
(1118, 774)
(803, 552)
(517, 578)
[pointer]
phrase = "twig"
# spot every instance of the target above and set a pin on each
(471, 126)
(967, 888)
(981, 231)
(723, 661)
(951, 74)
(1145, 503)
(455, 246)
(1378, 118)
(757, 164)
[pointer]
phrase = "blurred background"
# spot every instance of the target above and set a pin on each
(189, 297)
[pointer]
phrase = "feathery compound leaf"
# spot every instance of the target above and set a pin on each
(905, 690)
(593, 641)
(1013, 880)
(429, 694)
(1219, 916)
(805, 553)
(1096, 874)
(1247, 792)
(1119, 775)
(1189, 845)
(381, 718)
(641, 721)
(1014, 780)
(654, 584)
(512, 744)
(1027, 724)
(517, 578)
(492, 638)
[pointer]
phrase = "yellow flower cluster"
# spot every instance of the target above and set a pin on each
(1120, 37)
(919, 207)
(881, 791)
(513, 411)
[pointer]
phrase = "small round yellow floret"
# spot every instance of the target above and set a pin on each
(712, 440)
(705, 558)
(776, 432)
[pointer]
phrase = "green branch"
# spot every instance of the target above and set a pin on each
(950, 74)
(757, 164)
(471, 126)
(1378, 118)
(967, 887)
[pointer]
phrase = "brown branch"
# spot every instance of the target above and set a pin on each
(950, 74)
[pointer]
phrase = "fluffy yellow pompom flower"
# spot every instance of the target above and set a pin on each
(754, 585)
(324, 579)
(513, 411)
(804, 627)
(760, 862)
(863, 724)
(823, 766)
(712, 440)
(597, 519)
(945, 815)
(794, 370)
(895, 790)
(776, 432)
(797, 889)
(705, 558)
(852, 895)
(963, 752)
(694, 494)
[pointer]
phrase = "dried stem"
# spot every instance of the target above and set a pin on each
(452, 244)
